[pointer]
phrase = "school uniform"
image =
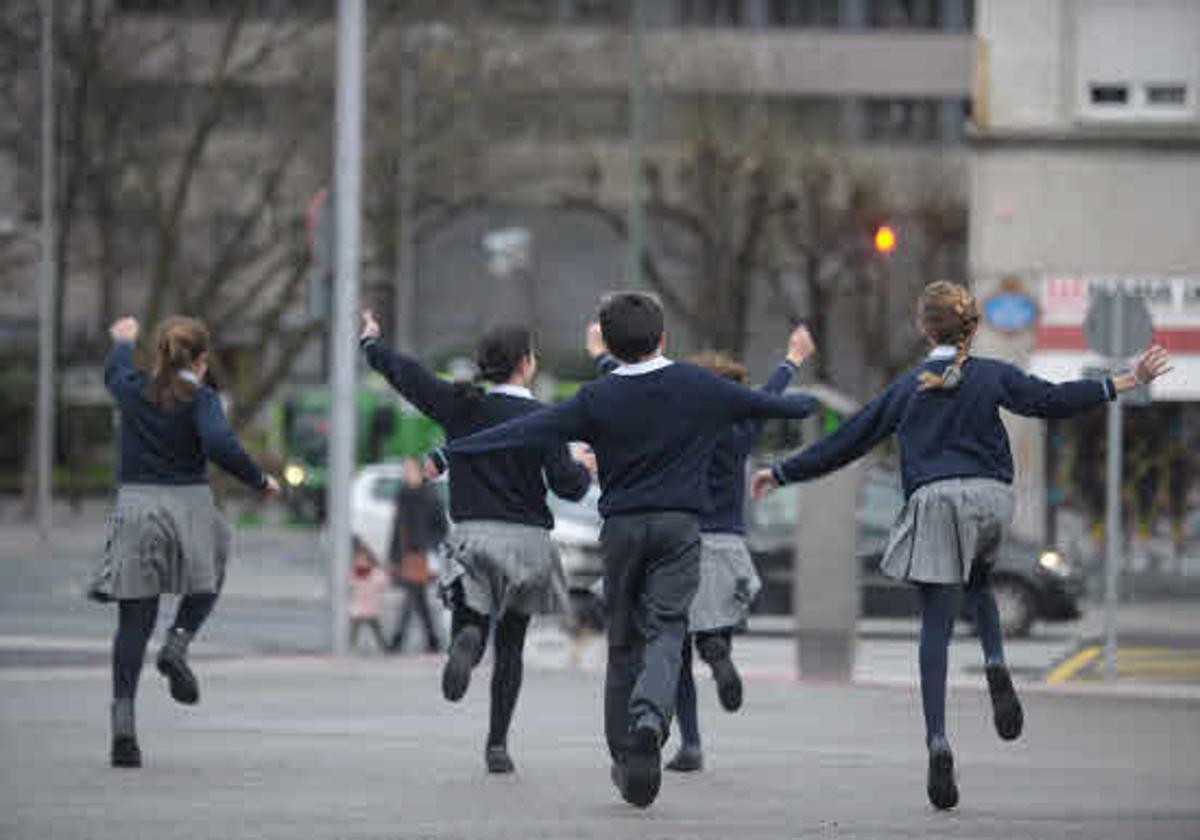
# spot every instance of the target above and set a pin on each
(956, 470)
(653, 426)
(499, 554)
(165, 535)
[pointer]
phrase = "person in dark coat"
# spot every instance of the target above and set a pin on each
(418, 528)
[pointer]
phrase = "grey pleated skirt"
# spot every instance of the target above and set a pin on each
(728, 583)
(948, 527)
(162, 539)
(504, 567)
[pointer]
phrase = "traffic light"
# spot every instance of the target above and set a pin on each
(885, 240)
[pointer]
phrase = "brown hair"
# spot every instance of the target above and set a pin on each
(947, 313)
(721, 364)
(178, 342)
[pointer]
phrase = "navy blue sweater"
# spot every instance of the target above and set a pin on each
(727, 472)
(172, 446)
(653, 433)
(947, 433)
(505, 486)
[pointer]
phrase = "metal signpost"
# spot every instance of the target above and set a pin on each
(1117, 327)
(347, 186)
(46, 289)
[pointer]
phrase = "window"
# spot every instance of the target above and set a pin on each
(1109, 94)
(803, 13)
(811, 117)
(711, 12)
(1173, 95)
(905, 14)
(599, 11)
(902, 119)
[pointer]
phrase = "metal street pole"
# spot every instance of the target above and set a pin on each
(636, 220)
(1112, 517)
(348, 184)
(46, 288)
(405, 307)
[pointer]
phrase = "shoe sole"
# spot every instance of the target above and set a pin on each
(1008, 715)
(685, 766)
(181, 682)
(941, 787)
(500, 767)
(729, 684)
(643, 769)
(456, 677)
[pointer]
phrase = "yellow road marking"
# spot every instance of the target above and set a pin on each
(1073, 665)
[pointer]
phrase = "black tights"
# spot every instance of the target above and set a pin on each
(508, 665)
(135, 626)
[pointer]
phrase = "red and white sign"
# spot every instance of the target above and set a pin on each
(1060, 351)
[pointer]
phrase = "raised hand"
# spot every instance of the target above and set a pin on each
(763, 484)
(584, 455)
(370, 326)
(595, 341)
(800, 345)
(272, 488)
(1152, 364)
(124, 329)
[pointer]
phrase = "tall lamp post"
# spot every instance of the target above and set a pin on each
(46, 288)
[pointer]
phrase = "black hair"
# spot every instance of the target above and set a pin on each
(499, 352)
(632, 324)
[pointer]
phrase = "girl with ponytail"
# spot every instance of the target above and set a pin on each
(501, 565)
(165, 535)
(956, 467)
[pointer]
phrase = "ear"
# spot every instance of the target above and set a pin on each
(662, 341)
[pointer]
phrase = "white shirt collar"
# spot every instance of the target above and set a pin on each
(648, 366)
(942, 351)
(189, 376)
(509, 390)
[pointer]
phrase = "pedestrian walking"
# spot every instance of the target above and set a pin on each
(418, 527)
(165, 535)
(652, 424)
(368, 582)
(956, 468)
(501, 566)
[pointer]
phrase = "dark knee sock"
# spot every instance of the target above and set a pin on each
(937, 625)
(981, 604)
(135, 625)
(506, 675)
(194, 611)
(685, 700)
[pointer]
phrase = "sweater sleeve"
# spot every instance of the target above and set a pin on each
(1030, 396)
(219, 444)
(568, 478)
(857, 436)
(746, 432)
(543, 428)
(738, 403)
(120, 376)
(433, 396)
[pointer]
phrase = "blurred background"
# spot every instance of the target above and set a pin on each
(785, 161)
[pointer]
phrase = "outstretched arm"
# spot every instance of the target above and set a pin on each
(120, 376)
(433, 397)
(857, 436)
(543, 428)
(747, 431)
(1030, 396)
(221, 446)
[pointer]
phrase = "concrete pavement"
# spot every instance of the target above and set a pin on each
(306, 747)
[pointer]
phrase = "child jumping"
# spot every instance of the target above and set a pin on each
(165, 536)
(956, 468)
(728, 580)
(501, 562)
(652, 425)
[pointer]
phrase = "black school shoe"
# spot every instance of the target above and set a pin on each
(465, 650)
(125, 751)
(1006, 708)
(643, 767)
(940, 784)
(729, 683)
(172, 664)
(498, 761)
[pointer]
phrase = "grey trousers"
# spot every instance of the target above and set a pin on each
(652, 571)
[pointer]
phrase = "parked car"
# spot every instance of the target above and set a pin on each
(1030, 582)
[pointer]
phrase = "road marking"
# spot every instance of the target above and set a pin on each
(1073, 665)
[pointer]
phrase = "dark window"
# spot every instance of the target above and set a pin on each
(810, 117)
(803, 13)
(222, 8)
(1109, 94)
(1166, 94)
(905, 14)
(599, 11)
(526, 11)
(711, 12)
(902, 119)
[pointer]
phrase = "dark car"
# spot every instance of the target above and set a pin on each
(1030, 582)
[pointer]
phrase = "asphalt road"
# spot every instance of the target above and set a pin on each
(305, 747)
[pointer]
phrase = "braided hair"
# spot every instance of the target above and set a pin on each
(947, 313)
